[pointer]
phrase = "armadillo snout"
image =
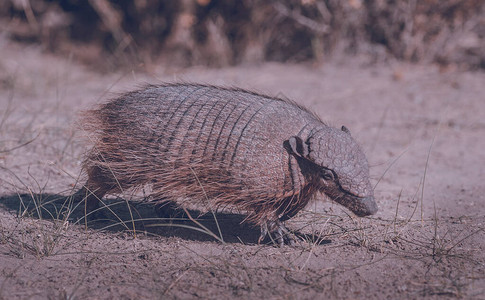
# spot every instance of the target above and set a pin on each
(360, 206)
(367, 206)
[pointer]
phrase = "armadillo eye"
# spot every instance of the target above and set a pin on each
(326, 174)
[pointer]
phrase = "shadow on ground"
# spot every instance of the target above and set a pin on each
(118, 215)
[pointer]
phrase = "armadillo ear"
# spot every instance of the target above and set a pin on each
(294, 145)
(346, 130)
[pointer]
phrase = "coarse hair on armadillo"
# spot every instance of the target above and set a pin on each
(192, 142)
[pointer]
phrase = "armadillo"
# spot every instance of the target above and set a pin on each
(265, 156)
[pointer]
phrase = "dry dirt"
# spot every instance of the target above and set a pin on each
(423, 130)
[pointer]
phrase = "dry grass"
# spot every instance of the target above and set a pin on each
(436, 244)
(49, 248)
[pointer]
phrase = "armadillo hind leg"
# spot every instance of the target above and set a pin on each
(90, 199)
(277, 232)
(99, 183)
(167, 209)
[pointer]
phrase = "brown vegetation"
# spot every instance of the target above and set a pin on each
(219, 33)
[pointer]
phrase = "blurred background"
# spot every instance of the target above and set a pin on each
(110, 35)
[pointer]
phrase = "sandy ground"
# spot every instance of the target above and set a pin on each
(424, 134)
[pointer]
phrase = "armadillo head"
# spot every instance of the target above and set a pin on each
(339, 167)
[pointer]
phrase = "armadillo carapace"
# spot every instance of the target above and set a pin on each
(225, 147)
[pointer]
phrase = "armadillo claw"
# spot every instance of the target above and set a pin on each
(264, 233)
(277, 232)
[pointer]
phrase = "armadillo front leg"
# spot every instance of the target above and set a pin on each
(277, 232)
